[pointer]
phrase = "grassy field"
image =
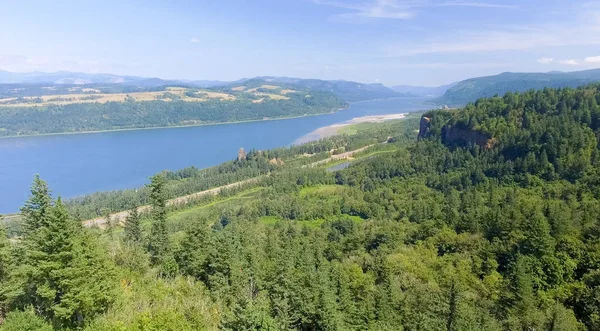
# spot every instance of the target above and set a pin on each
(198, 210)
(90, 95)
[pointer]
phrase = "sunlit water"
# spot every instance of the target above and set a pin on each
(78, 164)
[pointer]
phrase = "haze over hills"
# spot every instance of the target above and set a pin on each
(474, 88)
(424, 91)
(81, 78)
(347, 90)
(41, 103)
(454, 94)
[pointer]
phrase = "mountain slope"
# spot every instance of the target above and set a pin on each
(423, 91)
(348, 91)
(81, 108)
(474, 88)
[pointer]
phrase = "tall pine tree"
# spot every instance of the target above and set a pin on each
(133, 231)
(159, 246)
(61, 272)
(38, 205)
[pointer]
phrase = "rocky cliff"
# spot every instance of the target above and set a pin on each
(454, 135)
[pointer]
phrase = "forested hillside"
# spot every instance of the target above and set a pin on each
(346, 90)
(113, 107)
(487, 221)
(482, 87)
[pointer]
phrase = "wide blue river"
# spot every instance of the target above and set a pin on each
(78, 164)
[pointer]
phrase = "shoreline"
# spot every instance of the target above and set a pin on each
(332, 130)
(172, 126)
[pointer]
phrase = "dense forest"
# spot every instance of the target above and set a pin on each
(93, 116)
(488, 220)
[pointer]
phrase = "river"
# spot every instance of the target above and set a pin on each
(78, 164)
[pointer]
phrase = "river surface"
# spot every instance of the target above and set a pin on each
(78, 164)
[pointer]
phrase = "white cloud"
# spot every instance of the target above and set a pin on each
(475, 4)
(592, 59)
(570, 62)
(389, 9)
(194, 40)
(508, 38)
(394, 9)
(545, 60)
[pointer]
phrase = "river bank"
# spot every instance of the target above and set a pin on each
(334, 129)
(125, 159)
(172, 126)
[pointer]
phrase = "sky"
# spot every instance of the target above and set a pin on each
(394, 42)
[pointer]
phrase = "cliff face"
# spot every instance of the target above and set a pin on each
(452, 135)
(456, 136)
(424, 127)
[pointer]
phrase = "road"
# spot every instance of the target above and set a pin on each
(119, 217)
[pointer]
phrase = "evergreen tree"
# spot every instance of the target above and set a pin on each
(38, 205)
(4, 264)
(133, 231)
(110, 226)
(61, 273)
(4, 253)
(159, 246)
(193, 254)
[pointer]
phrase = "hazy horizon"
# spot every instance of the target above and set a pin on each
(394, 42)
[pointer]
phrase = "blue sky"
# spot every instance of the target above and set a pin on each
(417, 42)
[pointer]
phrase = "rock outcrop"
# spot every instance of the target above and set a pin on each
(424, 127)
(453, 135)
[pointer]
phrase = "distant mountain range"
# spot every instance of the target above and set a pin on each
(349, 91)
(80, 78)
(455, 94)
(474, 88)
(423, 91)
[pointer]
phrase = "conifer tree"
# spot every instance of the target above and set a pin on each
(4, 253)
(110, 225)
(61, 273)
(38, 205)
(4, 264)
(193, 254)
(159, 246)
(133, 231)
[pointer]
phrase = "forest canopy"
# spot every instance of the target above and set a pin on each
(488, 220)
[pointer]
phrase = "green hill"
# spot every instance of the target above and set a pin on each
(488, 220)
(474, 88)
(35, 109)
(346, 90)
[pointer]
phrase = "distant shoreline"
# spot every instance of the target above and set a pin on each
(172, 126)
(332, 130)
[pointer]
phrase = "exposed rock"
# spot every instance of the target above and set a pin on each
(457, 136)
(241, 154)
(276, 161)
(424, 127)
